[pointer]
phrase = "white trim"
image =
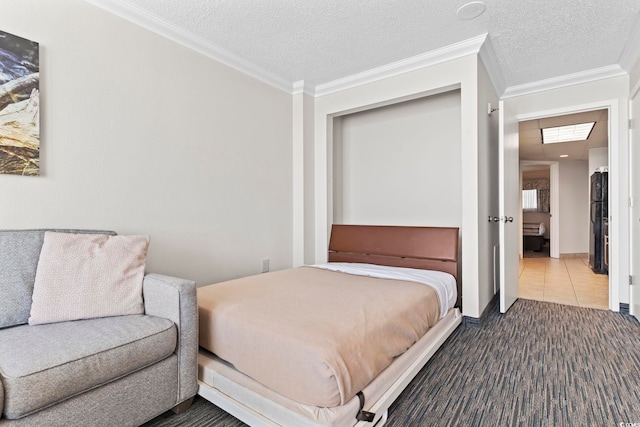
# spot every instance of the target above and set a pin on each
(615, 254)
(301, 87)
(427, 59)
(480, 44)
(166, 29)
(461, 73)
(492, 65)
(297, 154)
(632, 271)
(631, 52)
(615, 227)
(233, 407)
(563, 81)
(633, 207)
(634, 91)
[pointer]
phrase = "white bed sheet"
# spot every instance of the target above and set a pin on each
(443, 283)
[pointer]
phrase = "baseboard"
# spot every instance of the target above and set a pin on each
(474, 322)
(576, 255)
(470, 322)
(624, 308)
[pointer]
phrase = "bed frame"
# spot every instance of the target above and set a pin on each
(430, 248)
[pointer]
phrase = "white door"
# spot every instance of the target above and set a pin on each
(510, 194)
(635, 209)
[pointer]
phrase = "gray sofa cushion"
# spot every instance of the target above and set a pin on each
(19, 254)
(43, 365)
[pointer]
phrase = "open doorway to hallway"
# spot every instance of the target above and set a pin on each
(568, 277)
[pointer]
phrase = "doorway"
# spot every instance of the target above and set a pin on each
(539, 228)
(565, 278)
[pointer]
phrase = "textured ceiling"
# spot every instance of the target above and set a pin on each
(319, 41)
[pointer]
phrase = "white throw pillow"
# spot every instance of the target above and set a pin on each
(83, 276)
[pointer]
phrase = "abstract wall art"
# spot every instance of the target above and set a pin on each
(19, 106)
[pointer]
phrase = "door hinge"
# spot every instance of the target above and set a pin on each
(630, 280)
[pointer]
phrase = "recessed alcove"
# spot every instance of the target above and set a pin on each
(399, 164)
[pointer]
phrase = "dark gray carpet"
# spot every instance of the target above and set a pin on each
(541, 364)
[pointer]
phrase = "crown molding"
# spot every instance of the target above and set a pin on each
(437, 56)
(631, 53)
(491, 64)
(480, 45)
(134, 14)
(301, 87)
(563, 81)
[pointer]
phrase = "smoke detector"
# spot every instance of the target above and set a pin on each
(471, 10)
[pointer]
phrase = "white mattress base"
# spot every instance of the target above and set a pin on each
(257, 405)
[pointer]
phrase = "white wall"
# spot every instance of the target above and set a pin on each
(141, 135)
(574, 206)
(400, 164)
(598, 157)
(634, 76)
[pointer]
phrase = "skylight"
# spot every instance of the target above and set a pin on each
(579, 132)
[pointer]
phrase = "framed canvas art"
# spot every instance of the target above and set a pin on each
(19, 106)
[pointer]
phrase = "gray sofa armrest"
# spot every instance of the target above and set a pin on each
(175, 299)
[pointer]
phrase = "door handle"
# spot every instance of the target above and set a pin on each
(505, 219)
(494, 219)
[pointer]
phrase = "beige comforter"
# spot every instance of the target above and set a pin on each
(315, 336)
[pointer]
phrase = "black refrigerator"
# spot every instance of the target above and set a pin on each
(598, 228)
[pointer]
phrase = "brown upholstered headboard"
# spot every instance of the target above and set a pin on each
(426, 248)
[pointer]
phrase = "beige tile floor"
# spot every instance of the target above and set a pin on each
(567, 281)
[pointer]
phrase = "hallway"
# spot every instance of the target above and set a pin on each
(564, 281)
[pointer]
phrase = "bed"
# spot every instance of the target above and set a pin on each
(332, 344)
(533, 236)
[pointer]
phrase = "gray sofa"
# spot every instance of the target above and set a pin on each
(114, 371)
